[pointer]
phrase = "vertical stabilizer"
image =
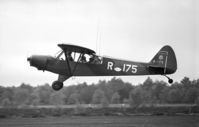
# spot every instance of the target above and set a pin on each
(164, 60)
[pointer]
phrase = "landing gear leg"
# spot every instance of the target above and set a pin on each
(170, 81)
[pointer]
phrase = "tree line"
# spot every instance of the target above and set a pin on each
(114, 91)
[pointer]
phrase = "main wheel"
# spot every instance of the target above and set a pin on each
(57, 85)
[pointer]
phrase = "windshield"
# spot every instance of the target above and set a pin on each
(60, 55)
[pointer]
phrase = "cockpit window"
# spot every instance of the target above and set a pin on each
(86, 58)
(69, 56)
(78, 57)
(94, 59)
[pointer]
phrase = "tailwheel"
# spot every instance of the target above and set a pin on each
(170, 81)
(57, 85)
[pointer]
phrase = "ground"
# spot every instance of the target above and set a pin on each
(103, 121)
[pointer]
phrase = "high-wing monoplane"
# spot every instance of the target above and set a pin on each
(75, 60)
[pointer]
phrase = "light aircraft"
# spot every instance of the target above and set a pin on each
(75, 60)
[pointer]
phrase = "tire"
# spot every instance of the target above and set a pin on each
(57, 85)
(170, 81)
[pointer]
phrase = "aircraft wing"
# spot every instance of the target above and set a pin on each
(75, 48)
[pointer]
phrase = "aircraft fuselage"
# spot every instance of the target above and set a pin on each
(109, 67)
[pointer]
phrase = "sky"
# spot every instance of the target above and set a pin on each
(128, 29)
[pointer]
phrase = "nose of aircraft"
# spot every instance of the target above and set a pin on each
(38, 61)
(29, 59)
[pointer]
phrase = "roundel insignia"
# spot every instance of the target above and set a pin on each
(160, 57)
(117, 69)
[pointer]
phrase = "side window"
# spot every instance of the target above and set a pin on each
(75, 56)
(95, 59)
(101, 59)
(84, 58)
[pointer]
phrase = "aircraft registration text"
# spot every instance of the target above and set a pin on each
(125, 67)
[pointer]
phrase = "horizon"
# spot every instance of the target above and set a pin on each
(106, 80)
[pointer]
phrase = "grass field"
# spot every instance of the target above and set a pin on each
(103, 121)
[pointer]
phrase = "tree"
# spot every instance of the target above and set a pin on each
(158, 91)
(163, 95)
(74, 99)
(136, 96)
(2, 89)
(44, 93)
(115, 98)
(57, 98)
(148, 83)
(27, 87)
(191, 95)
(34, 98)
(125, 90)
(86, 94)
(174, 96)
(97, 96)
(114, 91)
(186, 82)
(68, 91)
(21, 96)
(117, 85)
(197, 100)
(6, 102)
(105, 87)
(8, 93)
(104, 102)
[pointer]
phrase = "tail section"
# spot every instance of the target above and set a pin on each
(164, 62)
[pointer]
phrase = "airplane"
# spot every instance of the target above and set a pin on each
(74, 60)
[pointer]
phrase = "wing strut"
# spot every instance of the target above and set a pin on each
(76, 64)
(69, 67)
(68, 64)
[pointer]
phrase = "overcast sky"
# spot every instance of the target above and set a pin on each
(128, 29)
